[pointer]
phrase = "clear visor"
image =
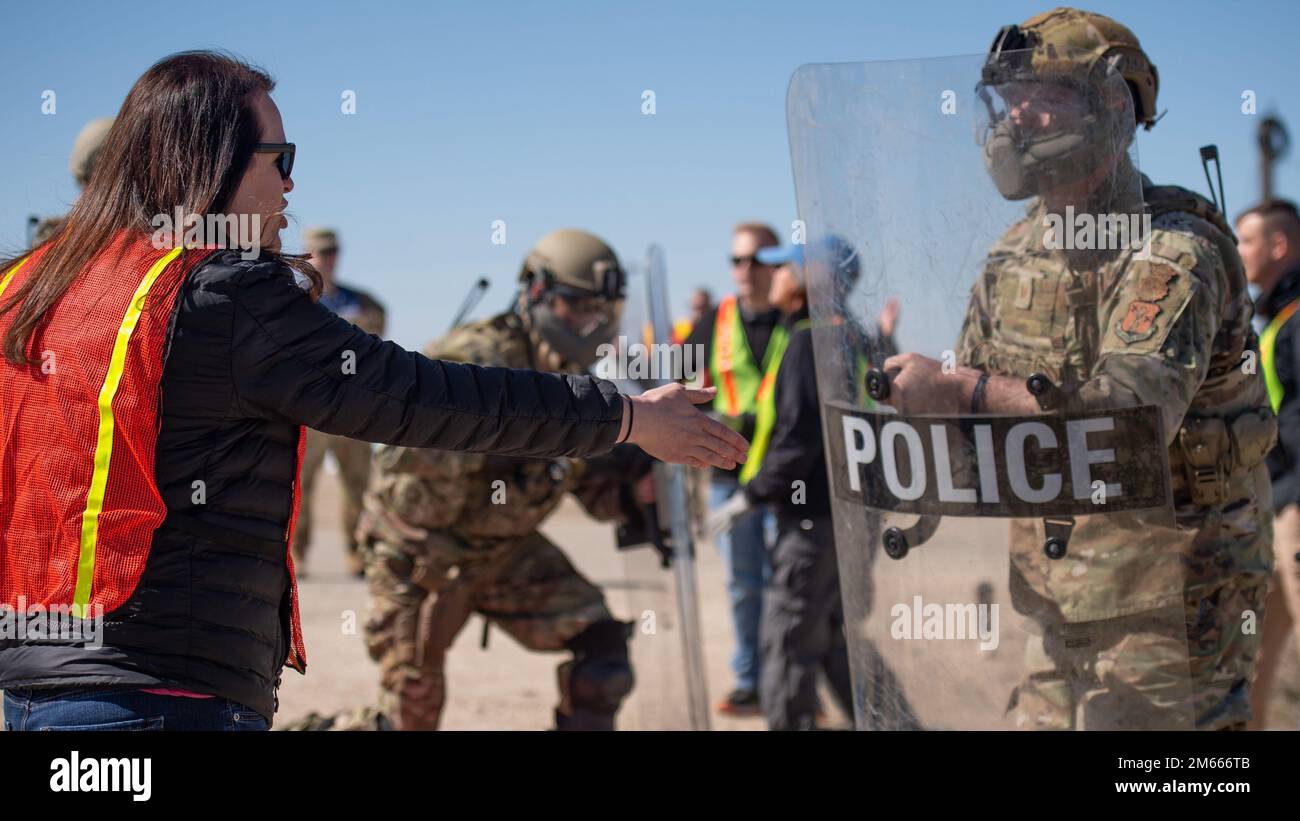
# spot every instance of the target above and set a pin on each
(1032, 109)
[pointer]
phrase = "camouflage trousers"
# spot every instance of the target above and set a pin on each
(353, 458)
(527, 588)
(1133, 673)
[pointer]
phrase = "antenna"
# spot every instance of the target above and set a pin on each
(1211, 153)
(471, 300)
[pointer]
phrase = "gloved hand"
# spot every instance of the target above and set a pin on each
(728, 513)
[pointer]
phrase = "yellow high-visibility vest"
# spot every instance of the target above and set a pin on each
(765, 415)
(1267, 342)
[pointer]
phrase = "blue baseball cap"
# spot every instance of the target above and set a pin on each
(832, 248)
(775, 255)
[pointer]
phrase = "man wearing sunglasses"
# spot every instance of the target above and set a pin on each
(352, 455)
(737, 340)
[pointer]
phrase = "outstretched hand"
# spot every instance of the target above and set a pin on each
(667, 425)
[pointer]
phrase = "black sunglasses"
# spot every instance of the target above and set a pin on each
(752, 259)
(284, 162)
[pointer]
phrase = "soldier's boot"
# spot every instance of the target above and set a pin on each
(412, 699)
(363, 719)
(594, 684)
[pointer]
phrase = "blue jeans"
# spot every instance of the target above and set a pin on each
(744, 555)
(101, 709)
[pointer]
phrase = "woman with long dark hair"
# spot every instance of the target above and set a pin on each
(153, 393)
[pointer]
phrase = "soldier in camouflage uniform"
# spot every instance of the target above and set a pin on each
(1114, 330)
(449, 534)
(85, 149)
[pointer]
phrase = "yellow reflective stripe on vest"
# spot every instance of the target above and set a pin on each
(860, 379)
(765, 421)
(1267, 342)
(13, 269)
(104, 442)
(765, 399)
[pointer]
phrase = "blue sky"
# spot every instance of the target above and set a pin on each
(531, 113)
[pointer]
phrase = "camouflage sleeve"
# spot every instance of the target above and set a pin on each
(605, 483)
(423, 488)
(1158, 324)
(464, 346)
(975, 328)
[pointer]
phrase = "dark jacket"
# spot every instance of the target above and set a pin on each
(795, 450)
(249, 358)
(1283, 459)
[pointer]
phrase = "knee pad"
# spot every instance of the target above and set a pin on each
(595, 682)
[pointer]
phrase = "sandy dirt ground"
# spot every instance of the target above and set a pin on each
(505, 687)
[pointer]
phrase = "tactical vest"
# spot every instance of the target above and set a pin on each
(1225, 432)
(79, 502)
(458, 502)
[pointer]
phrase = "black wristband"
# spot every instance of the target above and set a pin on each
(977, 395)
(628, 435)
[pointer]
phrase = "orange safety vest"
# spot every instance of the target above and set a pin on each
(79, 502)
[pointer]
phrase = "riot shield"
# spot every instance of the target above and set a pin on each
(671, 691)
(1003, 565)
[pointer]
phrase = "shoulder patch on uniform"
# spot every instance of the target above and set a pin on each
(1138, 322)
(1154, 286)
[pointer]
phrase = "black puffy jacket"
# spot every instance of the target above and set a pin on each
(250, 357)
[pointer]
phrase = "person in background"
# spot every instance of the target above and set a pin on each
(447, 535)
(701, 306)
(1269, 243)
(736, 340)
(803, 632)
